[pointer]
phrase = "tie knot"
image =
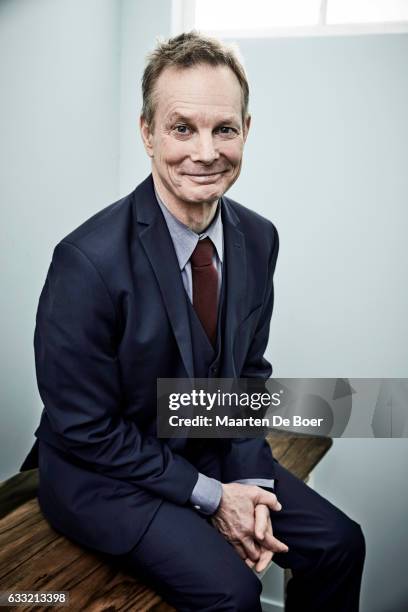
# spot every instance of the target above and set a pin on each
(202, 254)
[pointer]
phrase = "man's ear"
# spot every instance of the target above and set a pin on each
(146, 136)
(247, 125)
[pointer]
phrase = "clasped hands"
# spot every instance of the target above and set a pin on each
(243, 518)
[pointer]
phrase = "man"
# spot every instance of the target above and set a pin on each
(175, 280)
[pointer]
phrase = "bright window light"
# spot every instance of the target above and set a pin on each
(366, 11)
(255, 14)
(260, 18)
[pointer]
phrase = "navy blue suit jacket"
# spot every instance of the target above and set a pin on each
(112, 318)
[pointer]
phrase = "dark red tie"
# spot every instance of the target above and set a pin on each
(205, 286)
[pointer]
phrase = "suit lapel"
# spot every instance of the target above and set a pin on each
(235, 269)
(157, 243)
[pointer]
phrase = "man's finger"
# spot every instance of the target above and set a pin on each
(251, 548)
(264, 560)
(267, 498)
(273, 544)
(269, 541)
(261, 520)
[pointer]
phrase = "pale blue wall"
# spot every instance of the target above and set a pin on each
(142, 23)
(59, 119)
(327, 161)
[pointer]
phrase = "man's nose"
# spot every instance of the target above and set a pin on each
(205, 150)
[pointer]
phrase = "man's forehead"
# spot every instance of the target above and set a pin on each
(198, 89)
(181, 73)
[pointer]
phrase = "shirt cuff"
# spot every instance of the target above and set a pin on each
(206, 495)
(268, 483)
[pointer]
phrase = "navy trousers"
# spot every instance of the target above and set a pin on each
(193, 567)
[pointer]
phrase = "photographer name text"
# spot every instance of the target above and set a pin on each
(226, 421)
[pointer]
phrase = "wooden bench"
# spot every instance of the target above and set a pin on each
(33, 557)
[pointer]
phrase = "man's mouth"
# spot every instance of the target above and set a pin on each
(205, 177)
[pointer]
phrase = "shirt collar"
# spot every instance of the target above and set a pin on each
(185, 240)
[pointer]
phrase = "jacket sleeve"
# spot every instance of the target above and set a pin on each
(78, 374)
(251, 458)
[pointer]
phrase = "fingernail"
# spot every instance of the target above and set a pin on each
(279, 506)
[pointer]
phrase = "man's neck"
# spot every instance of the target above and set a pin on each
(197, 216)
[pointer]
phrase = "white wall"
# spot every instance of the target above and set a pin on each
(59, 141)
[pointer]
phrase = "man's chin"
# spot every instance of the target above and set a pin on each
(201, 196)
(205, 193)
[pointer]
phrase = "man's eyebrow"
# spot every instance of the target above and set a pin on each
(228, 119)
(223, 119)
(178, 117)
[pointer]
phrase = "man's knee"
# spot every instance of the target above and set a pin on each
(242, 593)
(359, 546)
(348, 542)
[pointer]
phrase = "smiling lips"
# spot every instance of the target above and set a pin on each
(201, 178)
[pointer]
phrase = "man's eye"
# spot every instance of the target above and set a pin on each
(181, 129)
(226, 130)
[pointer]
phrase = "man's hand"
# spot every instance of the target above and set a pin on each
(245, 527)
(265, 539)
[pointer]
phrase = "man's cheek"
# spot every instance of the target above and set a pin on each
(234, 155)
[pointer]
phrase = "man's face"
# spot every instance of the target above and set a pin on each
(198, 137)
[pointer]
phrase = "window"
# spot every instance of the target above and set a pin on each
(248, 14)
(366, 11)
(240, 18)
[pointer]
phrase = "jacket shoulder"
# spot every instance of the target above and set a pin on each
(251, 221)
(103, 225)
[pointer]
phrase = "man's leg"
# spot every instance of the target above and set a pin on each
(191, 565)
(326, 549)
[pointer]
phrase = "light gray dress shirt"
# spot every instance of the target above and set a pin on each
(206, 495)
